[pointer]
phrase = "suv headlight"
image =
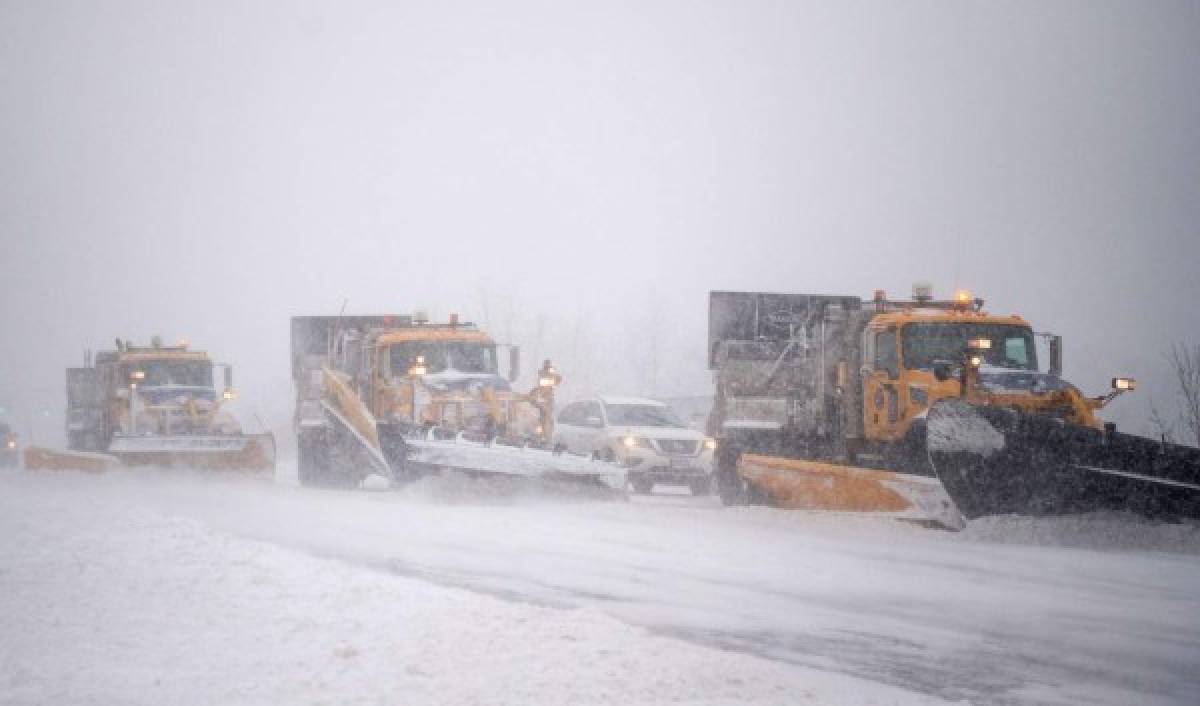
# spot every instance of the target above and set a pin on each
(630, 442)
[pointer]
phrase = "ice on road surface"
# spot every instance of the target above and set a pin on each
(142, 587)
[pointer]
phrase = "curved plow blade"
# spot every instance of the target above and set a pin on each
(995, 461)
(814, 485)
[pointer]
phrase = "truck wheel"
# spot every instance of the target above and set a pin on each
(730, 486)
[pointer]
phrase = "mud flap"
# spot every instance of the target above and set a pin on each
(995, 460)
(815, 485)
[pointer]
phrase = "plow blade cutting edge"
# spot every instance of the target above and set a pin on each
(995, 460)
(815, 485)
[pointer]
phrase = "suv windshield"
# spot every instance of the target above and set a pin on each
(441, 356)
(641, 415)
(925, 344)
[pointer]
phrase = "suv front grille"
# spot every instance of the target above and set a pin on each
(677, 446)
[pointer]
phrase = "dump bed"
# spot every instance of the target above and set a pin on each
(777, 357)
(311, 335)
(767, 316)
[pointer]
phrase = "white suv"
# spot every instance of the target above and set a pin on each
(645, 436)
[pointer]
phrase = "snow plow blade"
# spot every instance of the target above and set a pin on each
(243, 453)
(995, 460)
(815, 485)
(497, 459)
(405, 455)
(39, 458)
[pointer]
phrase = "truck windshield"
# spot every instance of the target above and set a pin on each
(641, 415)
(926, 344)
(157, 373)
(442, 356)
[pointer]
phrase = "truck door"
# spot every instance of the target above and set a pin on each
(881, 389)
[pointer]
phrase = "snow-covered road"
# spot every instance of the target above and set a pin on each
(835, 608)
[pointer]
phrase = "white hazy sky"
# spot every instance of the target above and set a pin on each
(580, 175)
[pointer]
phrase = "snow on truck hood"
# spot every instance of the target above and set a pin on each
(998, 379)
(458, 380)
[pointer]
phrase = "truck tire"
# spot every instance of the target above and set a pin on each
(731, 488)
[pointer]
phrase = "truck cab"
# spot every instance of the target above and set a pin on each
(902, 350)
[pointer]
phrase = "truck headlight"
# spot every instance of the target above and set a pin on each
(11, 444)
(710, 444)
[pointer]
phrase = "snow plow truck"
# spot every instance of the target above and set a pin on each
(931, 410)
(153, 405)
(401, 397)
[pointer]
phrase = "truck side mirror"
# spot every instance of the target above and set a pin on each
(228, 377)
(1056, 362)
(514, 363)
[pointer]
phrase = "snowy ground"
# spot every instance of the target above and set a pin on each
(178, 588)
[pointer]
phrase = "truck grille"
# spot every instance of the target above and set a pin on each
(677, 446)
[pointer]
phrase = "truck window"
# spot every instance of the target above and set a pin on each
(1016, 352)
(886, 356)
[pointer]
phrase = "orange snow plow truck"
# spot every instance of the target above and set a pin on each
(832, 403)
(152, 406)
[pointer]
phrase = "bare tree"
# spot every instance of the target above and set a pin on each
(1185, 362)
(1163, 428)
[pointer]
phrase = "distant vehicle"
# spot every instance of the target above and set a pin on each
(645, 436)
(8, 447)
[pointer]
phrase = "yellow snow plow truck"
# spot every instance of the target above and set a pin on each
(920, 408)
(401, 397)
(153, 405)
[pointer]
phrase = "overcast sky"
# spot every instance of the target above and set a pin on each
(578, 175)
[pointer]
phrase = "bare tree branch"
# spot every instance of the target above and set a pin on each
(1186, 363)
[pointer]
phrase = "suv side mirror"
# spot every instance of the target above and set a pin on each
(514, 363)
(942, 370)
